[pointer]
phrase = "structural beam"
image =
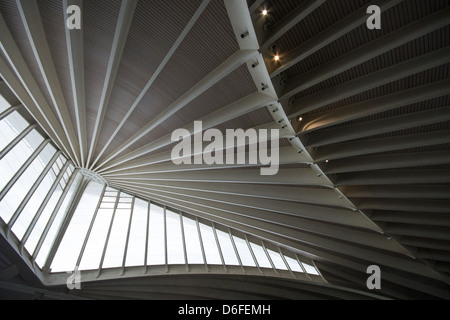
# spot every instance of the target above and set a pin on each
(242, 106)
(16, 73)
(232, 63)
(376, 105)
(321, 196)
(366, 163)
(166, 156)
(418, 231)
(375, 127)
(290, 20)
(163, 63)
(406, 192)
(408, 217)
(292, 176)
(398, 177)
(287, 155)
(120, 36)
(326, 37)
(29, 12)
(75, 49)
(373, 49)
(363, 147)
(370, 81)
(408, 205)
(259, 208)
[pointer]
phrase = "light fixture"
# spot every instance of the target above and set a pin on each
(326, 161)
(277, 58)
(299, 118)
(264, 12)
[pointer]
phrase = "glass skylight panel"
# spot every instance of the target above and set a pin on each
(29, 211)
(67, 254)
(17, 156)
(226, 246)
(175, 248)
(96, 242)
(22, 186)
(3, 104)
(209, 244)
(41, 223)
(117, 240)
(244, 252)
(310, 269)
(193, 246)
(260, 255)
(293, 264)
(97, 238)
(138, 234)
(10, 127)
(156, 250)
(54, 224)
(277, 260)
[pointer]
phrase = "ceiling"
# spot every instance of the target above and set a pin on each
(364, 118)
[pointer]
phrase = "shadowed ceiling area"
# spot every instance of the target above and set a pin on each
(363, 117)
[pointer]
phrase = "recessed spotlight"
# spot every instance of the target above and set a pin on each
(277, 58)
(326, 161)
(299, 118)
(264, 12)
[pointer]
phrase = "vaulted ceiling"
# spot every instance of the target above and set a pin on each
(363, 114)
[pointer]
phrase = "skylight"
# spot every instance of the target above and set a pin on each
(65, 221)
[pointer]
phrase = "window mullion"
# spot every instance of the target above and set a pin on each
(30, 193)
(302, 266)
(184, 241)
(235, 250)
(17, 139)
(252, 253)
(128, 235)
(218, 246)
(23, 168)
(269, 258)
(55, 213)
(165, 240)
(201, 244)
(44, 204)
(109, 233)
(65, 223)
(8, 111)
(285, 262)
(91, 225)
(146, 237)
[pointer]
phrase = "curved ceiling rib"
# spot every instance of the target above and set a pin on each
(363, 119)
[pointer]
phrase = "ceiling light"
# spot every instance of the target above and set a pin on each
(277, 58)
(264, 12)
(299, 118)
